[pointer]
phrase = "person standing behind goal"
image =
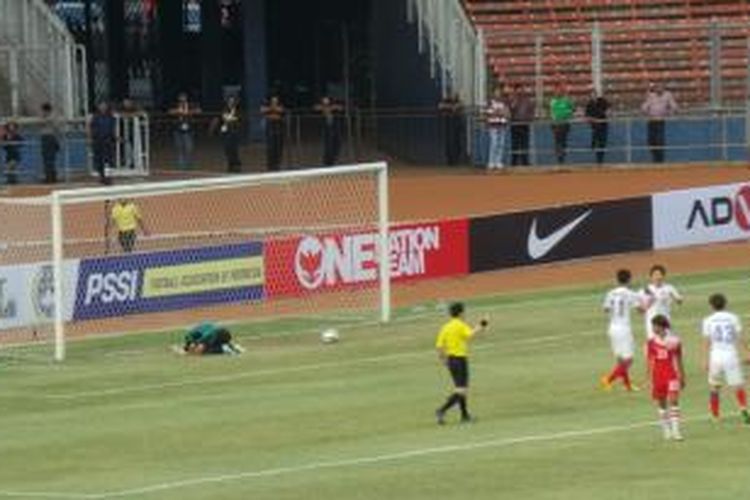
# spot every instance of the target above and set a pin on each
(127, 221)
(453, 350)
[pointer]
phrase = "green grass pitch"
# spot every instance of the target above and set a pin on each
(295, 419)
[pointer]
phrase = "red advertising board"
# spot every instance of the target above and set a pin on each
(338, 261)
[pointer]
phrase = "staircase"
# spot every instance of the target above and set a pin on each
(39, 61)
(455, 48)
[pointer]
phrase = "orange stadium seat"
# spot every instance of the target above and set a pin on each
(633, 52)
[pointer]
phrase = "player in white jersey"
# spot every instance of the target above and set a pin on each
(722, 338)
(618, 304)
(658, 297)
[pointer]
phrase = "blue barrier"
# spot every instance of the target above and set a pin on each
(72, 158)
(686, 140)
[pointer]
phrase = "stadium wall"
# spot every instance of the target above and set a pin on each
(403, 80)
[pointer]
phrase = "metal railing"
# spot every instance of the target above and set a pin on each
(415, 136)
(717, 136)
(455, 48)
(40, 60)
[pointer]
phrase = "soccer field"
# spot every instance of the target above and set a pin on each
(292, 418)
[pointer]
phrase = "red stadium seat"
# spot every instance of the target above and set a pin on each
(634, 53)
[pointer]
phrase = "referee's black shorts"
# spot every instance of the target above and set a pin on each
(458, 366)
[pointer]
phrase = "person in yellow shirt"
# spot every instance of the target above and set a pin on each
(127, 220)
(453, 350)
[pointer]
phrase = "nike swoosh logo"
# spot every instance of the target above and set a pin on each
(539, 247)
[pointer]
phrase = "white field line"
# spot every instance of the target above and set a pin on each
(424, 311)
(337, 464)
(334, 364)
(302, 368)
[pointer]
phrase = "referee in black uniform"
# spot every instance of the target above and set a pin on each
(453, 350)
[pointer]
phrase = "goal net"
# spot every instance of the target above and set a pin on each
(26, 278)
(302, 245)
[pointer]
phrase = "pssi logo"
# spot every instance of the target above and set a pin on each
(111, 287)
(722, 210)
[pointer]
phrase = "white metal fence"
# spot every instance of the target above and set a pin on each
(456, 49)
(40, 61)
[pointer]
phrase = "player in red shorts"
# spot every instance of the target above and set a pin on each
(667, 375)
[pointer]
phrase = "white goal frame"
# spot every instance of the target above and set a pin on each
(61, 198)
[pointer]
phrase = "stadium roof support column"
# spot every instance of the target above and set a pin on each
(715, 64)
(538, 75)
(256, 56)
(596, 58)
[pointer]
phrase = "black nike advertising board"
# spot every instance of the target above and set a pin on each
(561, 233)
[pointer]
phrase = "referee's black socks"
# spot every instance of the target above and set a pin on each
(463, 406)
(452, 400)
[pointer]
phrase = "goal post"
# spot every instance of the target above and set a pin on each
(232, 248)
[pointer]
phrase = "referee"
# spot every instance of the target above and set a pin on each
(452, 345)
(127, 220)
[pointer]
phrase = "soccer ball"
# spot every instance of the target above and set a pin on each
(329, 336)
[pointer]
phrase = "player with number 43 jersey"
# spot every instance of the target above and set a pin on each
(722, 340)
(618, 304)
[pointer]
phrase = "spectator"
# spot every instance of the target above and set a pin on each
(183, 112)
(561, 111)
(497, 114)
(274, 114)
(331, 136)
(102, 133)
(658, 105)
(596, 113)
(229, 128)
(521, 116)
(50, 143)
(12, 142)
(452, 112)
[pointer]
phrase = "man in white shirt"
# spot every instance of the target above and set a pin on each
(497, 114)
(618, 304)
(722, 340)
(659, 104)
(658, 297)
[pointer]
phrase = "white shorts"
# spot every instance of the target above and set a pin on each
(726, 367)
(622, 343)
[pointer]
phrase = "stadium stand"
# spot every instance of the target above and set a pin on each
(667, 41)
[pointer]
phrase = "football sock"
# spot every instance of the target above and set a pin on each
(742, 399)
(615, 373)
(452, 399)
(664, 419)
(714, 404)
(626, 375)
(674, 420)
(462, 404)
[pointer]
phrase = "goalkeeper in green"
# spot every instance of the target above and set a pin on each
(210, 338)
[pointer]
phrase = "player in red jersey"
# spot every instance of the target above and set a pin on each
(667, 375)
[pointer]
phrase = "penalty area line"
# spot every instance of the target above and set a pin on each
(342, 463)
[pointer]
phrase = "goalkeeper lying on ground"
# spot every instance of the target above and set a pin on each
(210, 338)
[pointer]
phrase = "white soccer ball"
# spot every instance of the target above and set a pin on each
(330, 336)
